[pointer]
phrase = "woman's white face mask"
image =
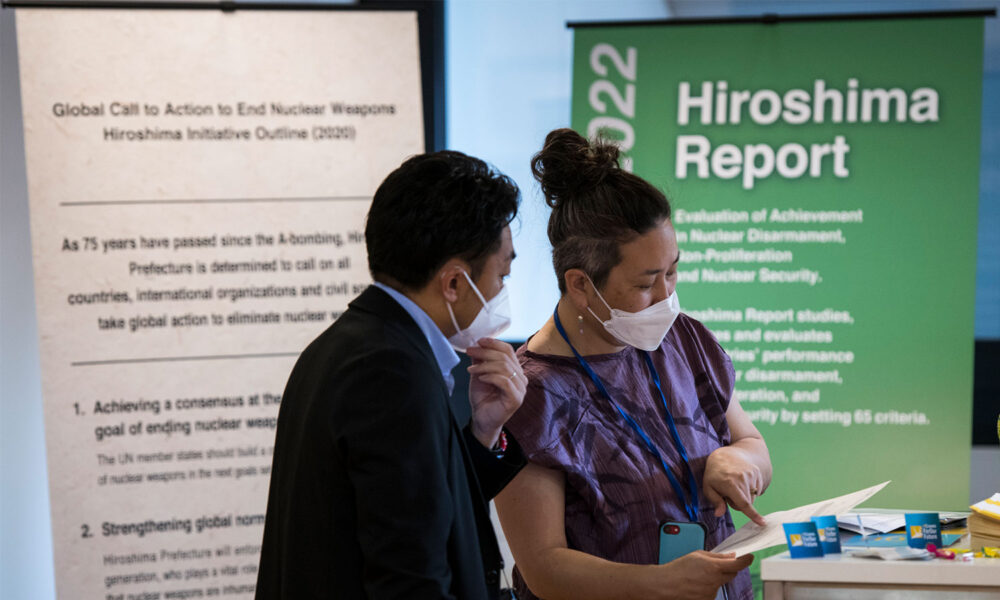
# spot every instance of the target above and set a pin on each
(645, 329)
(492, 319)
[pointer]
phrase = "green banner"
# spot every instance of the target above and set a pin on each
(824, 178)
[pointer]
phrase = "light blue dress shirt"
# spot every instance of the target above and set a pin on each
(444, 354)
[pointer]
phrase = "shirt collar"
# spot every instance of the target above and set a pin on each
(444, 354)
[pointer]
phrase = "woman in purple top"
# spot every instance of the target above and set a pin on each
(628, 421)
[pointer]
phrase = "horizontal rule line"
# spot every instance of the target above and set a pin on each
(216, 201)
(153, 359)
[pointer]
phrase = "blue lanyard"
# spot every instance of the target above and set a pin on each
(690, 507)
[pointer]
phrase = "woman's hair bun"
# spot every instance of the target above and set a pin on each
(568, 162)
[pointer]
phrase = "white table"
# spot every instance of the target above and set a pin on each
(837, 576)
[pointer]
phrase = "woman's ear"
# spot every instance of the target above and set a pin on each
(577, 283)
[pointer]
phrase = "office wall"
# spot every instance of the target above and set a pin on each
(26, 569)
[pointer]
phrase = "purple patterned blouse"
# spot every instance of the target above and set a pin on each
(616, 491)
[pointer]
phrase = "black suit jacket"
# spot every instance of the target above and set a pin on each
(378, 490)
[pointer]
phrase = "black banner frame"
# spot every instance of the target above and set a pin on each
(774, 18)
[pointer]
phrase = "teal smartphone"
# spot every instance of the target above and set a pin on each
(678, 539)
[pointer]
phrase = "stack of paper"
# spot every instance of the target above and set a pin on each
(868, 523)
(984, 523)
(885, 521)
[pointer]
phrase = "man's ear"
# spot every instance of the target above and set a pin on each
(450, 278)
(577, 284)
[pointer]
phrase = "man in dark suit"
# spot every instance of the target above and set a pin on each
(381, 480)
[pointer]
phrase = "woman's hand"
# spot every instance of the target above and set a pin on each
(698, 575)
(731, 476)
(532, 512)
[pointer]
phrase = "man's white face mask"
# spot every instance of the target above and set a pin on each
(645, 329)
(493, 319)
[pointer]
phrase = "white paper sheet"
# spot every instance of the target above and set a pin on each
(894, 553)
(752, 537)
(872, 522)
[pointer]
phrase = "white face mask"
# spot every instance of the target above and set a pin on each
(493, 319)
(645, 329)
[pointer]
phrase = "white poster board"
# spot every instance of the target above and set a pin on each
(198, 183)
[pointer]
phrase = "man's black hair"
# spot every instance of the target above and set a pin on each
(433, 208)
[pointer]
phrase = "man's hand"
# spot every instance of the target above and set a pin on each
(496, 388)
(731, 477)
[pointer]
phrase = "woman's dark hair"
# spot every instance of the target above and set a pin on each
(433, 208)
(596, 206)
